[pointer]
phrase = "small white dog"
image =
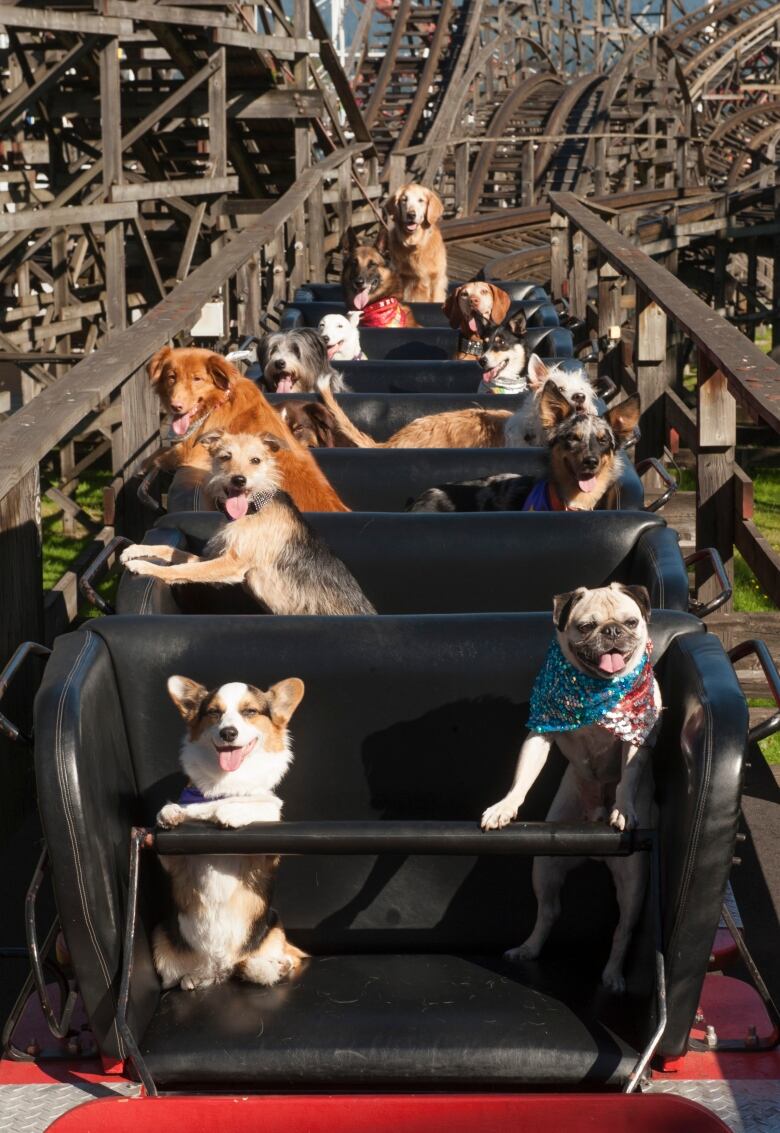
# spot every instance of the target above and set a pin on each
(342, 337)
(235, 752)
(597, 700)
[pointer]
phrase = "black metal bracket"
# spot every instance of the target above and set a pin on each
(760, 650)
(671, 483)
(660, 975)
(59, 1027)
(144, 493)
(7, 675)
(702, 609)
(94, 572)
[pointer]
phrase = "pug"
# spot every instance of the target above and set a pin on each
(605, 723)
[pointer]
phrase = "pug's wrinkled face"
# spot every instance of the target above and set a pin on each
(603, 632)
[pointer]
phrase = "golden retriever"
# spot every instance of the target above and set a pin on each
(416, 246)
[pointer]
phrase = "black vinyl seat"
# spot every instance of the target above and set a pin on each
(424, 376)
(440, 343)
(389, 479)
(300, 313)
(332, 293)
(447, 563)
(416, 719)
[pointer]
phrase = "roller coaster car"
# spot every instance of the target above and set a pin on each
(538, 312)
(519, 289)
(413, 564)
(425, 376)
(408, 728)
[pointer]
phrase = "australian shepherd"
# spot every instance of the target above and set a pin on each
(234, 754)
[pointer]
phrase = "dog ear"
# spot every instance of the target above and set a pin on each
(187, 695)
(553, 406)
(285, 698)
(211, 439)
(538, 372)
(624, 419)
(273, 443)
(323, 423)
(353, 318)
(501, 301)
(518, 324)
(381, 242)
(221, 371)
(562, 606)
(434, 209)
(391, 204)
(156, 363)
(451, 308)
(641, 597)
(349, 241)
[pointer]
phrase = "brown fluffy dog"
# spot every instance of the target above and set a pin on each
(202, 391)
(417, 250)
(314, 425)
(370, 285)
(474, 309)
(268, 547)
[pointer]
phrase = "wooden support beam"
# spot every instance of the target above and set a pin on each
(559, 256)
(114, 240)
(650, 369)
(171, 13)
(17, 102)
(132, 443)
(281, 46)
(716, 442)
(315, 209)
(185, 187)
(55, 19)
(29, 220)
(578, 273)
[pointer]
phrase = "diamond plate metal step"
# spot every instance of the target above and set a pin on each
(745, 1106)
(32, 1108)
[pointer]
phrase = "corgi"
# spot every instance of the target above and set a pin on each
(235, 752)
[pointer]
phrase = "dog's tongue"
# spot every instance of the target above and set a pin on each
(285, 384)
(231, 758)
(332, 351)
(361, 299)
(612, 662)
(181, 424)
(473, 325)
(587, 484)
(237, 506)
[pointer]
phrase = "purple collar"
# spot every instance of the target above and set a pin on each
(192, 795)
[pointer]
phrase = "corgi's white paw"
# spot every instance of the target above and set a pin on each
(498, 816)
(171, 815)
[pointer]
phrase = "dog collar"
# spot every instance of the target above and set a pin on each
(191, 795)
(260, 499)
(383, 313)
(473, 346)
(544, 497)
(564, 699)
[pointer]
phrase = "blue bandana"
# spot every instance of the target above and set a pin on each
(541, 498)
(564, 699)
(191, 795)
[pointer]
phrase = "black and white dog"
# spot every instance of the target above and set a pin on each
(291, 361)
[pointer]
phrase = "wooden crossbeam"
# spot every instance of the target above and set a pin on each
(153, 14)
(27, 220)
(52, 19)
(282, 46)
(18, 100)
(186, 187)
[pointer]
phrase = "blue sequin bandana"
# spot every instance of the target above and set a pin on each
(564, 699)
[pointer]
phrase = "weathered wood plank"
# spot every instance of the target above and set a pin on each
(152, 14)
(717, 438)
(650, 370)
(62, 603)
(53, 19)
(282, 46)
(114, 239)
(185, 187)
(28, 220)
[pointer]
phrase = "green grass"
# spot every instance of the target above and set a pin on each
(59, 549)
(770, 747)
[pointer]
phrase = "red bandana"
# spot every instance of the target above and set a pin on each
(384, 313)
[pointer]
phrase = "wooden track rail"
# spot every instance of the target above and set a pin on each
(730, 370)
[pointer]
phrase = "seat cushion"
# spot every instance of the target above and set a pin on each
(429, 1020)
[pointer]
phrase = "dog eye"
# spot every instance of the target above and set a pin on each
(631, 623)
(586, 627)
(214, 713)
(224, 456)
(255, 460)
(249, 712)
(171, 379)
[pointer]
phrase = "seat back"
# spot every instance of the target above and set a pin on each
(426, 564)
(403, 718)
(332, 293)
(423, 376)
(302, 313)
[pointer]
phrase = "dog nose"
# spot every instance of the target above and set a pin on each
(238, 481)
(589, 463)
(483, 362)
(613, 631)
(228, 734)
(578, 398)
(177, 406)
(279, 363)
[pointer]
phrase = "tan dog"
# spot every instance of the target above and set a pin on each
(477, 428)
(417, 249)
(268, 548)
(474, 309)
(203, 391)
(601, 634)
(370, 285)
(235, 753)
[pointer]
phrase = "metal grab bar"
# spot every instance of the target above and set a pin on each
(702, 609)
(9, 672)
(144, 494)
(760, 650)
(671, 483)
(89, 579)
(59, 1027)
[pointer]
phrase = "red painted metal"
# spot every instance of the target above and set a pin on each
(450, 1113)
(736, 1011)
(722, 1066)
(724, 949)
